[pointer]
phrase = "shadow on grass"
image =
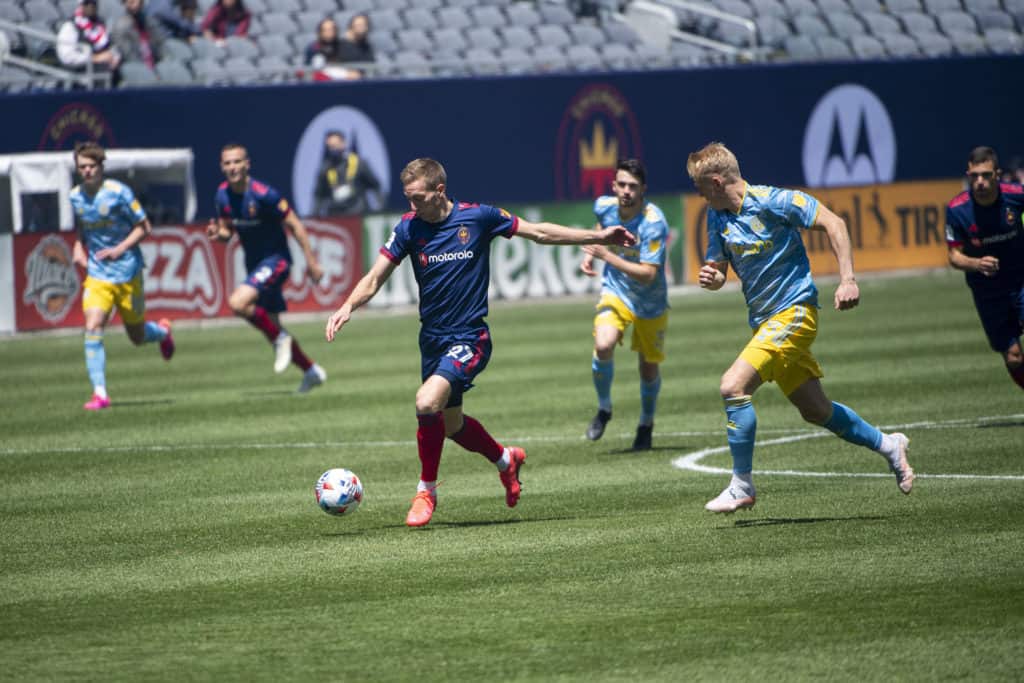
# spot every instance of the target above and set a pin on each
(653, 449)
(777, 521)
(469, 524)
(143, 402)
(272, 393)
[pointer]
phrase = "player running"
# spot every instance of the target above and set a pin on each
(257, 212)
(633, 291)
(986, 241)
(756, 229)
(111, 224)
(448, 243)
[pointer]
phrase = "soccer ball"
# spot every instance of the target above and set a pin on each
(338, 492)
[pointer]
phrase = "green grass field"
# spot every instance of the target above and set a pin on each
(175, 536)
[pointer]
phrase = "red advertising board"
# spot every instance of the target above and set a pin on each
(186, 276)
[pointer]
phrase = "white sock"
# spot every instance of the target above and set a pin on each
(888, 447)
(426, 486)
(100, 391)
(743, 481)
(504, 461)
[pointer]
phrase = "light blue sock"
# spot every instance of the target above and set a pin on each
(741, 429)
(604, 372)
(95, 359)
(154, 333)
(649, 400)
(849, 426)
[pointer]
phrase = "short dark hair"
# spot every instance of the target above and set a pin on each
(980, 155)
(331, 133)
(234, 145)
(634, 167)
(364, 15)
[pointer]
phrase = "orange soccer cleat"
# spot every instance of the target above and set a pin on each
(510, 477)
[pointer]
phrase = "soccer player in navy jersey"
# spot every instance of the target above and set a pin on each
(633, 292)
(448, 243)
(258, 214)
(756, 230)
(986, 241)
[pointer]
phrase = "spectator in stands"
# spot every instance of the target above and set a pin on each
(177, 17)
(343, 181)
(84, 39)
(329, 51)
(137, 35)
(1014, 171)
(226, 18)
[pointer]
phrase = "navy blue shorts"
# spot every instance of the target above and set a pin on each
(268, 278)
(1002, 315)
(459, 358)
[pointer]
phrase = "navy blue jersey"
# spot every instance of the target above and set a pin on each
(452, 262)
(256, 216)
(993, 230)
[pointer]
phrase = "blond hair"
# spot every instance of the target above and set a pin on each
(431, 171)
(713, 158)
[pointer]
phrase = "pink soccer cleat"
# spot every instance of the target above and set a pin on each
(97, 403)
(510, 477)
(167, 345)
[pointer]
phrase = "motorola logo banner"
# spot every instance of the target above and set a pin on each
(849, 140)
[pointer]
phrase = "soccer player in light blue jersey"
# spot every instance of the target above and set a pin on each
(756, 230)
(448, 243)
(633, 292)
(110, 224)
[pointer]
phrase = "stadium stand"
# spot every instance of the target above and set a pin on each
(441, 38)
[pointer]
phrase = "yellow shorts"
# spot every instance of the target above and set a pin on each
(648, 333)
(780, 349)
(128, 297)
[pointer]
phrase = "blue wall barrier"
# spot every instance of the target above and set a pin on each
(556, 138)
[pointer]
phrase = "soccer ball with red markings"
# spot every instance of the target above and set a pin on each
(339, 492)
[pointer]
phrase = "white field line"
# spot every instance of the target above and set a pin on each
(691, 461)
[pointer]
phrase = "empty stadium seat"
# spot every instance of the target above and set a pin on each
(810, 25)
(881, 24)
(386, 20)
(772, 31)
(586, 34)
(275, 45)
(957, 23)
(801, 48)
(556, 15)
(41, 12)
(483, 61)
(515, 60)
(994, 18)
(136, 74)
(488, 17)
(900, 45)
(917, 23)
(453, 17)
(518, 36)
(867, 47)
(1004, 42)
(827, 7)
(549, 58)
(418, 17)
(934, 44)
(584, 58)
(414, 39)
(797, 7)
(769, 8)
(555, 36)
(324, 7)
(451, 37)
(176, 49)
(620, 32)
(897, 6)
(862, 6)
(522, 14)
(172, 72)
(238, 46)
(845, 25)
(969, 44)
(939, 6)
(831, 47)
(483, 36)
(617, 56)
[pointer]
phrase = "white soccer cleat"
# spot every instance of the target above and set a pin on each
(899, 465)
(282, 352)
(312, 378)
(731, 499)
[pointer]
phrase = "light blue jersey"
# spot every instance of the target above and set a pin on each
(651, 230)
(103, 221)
(763, 245)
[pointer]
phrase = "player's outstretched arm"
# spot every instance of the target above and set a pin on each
(712, 274)
(295, 226)
(644, 273)
(551, 233)
(847, 293)
(986, 265)
(364, 290)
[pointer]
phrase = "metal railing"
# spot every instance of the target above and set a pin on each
(749, 26)
(89, 78)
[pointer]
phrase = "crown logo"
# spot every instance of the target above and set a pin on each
(601, 153)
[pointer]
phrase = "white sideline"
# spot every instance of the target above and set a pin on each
(691, 461)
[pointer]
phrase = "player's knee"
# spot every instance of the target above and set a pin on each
(815, 414)
(730, 388)
(426, 402)
(238, 304)
(1014, 359)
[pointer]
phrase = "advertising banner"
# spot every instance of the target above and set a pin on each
(521, 268)
(891, 227)
(186, 276)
